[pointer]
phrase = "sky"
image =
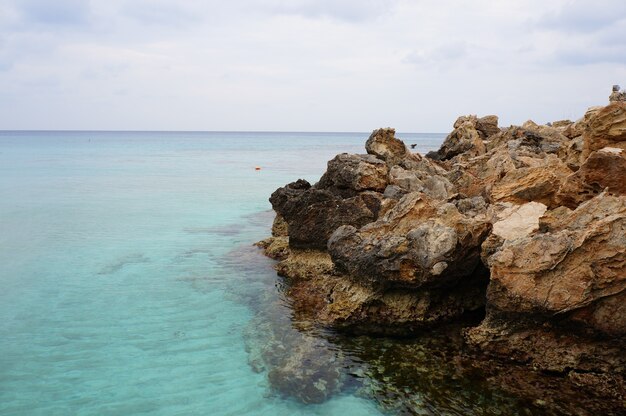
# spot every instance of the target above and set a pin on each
(304, 65)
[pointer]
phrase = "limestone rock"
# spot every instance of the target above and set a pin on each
(488, 125)
(418, 242)
(312, 214)
(349, 174)
(319, 293)
(562, 290)
(603, 169)
(435, 186)
(465, 139)
(383, 144)
(579, 261)
(606, 128)
(517, 221)
(535, 183)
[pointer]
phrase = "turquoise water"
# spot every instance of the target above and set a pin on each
(129, 285)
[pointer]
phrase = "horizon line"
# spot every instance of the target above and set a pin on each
(200, 131)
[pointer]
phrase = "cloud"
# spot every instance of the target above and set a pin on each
(441, 55)
(302, 64)
(584, 16)
(53, 13)
(343, 10)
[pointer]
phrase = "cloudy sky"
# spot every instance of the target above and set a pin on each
(306, 65)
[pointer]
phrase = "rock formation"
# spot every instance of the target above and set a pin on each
(527, 223)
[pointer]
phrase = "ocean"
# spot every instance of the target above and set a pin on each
(130, 284)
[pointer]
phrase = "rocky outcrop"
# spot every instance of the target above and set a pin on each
(562, 287)
(602, 170)
(527, 223)
(313, 213)
(605, 128)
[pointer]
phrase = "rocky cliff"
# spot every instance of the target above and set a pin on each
(524, 225)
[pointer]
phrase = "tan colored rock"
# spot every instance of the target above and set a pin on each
(579, 126)
(562, 124)
(538, 183)
(556, 296)
(276, 248)
(383, 144)
(603, 169)
(606, 128)
(280, 228)
(573, 265)
(488, 125)
(419, 241)
(518, 221)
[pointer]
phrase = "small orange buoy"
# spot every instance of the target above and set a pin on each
(257, 168)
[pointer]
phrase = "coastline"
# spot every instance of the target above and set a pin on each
(520, 226)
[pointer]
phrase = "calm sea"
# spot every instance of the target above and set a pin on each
(128, 281)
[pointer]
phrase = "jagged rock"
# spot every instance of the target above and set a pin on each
(280, 228)
(276, 248)
(578, 127)
(435, 186)
(562, 124)
(464, 139)
(349, 174)
(566, 288)
(313, 214)
(573, 153)
(319, 293)
(404, 242)
(603, 169)
(580, 259)
(418, 242)
(617, 95)
(487, 125)
(533, 183)
(314, 223)
(606, 128)
(383, 144)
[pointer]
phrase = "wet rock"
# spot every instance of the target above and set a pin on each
(280, 228)
(298, 365)
(276, 248)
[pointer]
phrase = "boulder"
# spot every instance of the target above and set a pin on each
(487, 125)
(349, 174)
(383, 144)
(313, 214)
(419, 242)
(464, 139)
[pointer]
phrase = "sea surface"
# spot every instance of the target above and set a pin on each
(129, 283)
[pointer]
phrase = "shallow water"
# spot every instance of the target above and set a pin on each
(128, 281)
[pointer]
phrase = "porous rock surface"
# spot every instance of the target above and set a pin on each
(527, 223)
